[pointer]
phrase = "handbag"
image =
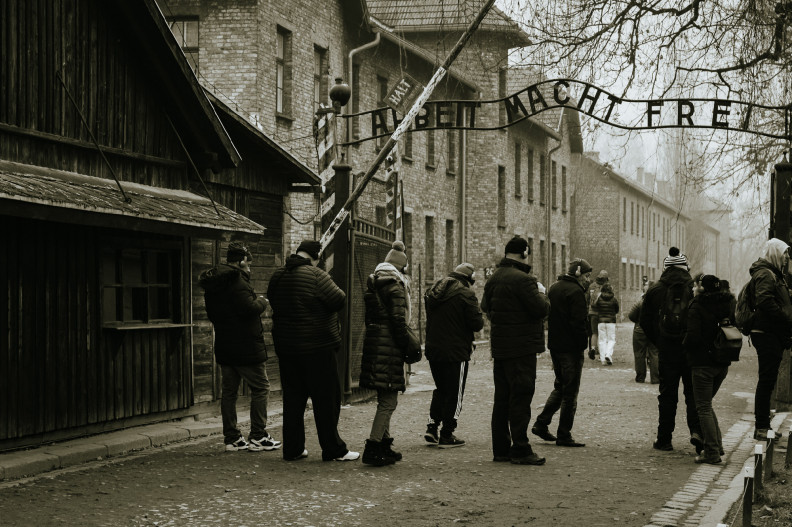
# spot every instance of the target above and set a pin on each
(412, 353)
(727, 344)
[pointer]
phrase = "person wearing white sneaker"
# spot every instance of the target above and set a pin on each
(607, 308)
(235, 312)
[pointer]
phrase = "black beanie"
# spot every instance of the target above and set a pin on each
(517, 245)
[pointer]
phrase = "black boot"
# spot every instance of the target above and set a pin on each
(387, 449)
(374, 454)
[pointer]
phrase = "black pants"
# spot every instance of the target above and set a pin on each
(568, 368)
(769, 350)
(673, 368)
(449, 379)
(515, 382)
(312, 375)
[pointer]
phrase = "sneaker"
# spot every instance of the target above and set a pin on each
(530, 459)
(696, 441)
(303, 455)
(266, 442)
(431, 436)
(665, 446)
(450, 442)
(349, 456)
(568, 441)
(608, 361)
(239, 444)
(543, 432)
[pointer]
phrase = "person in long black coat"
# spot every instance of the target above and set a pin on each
(710, 307)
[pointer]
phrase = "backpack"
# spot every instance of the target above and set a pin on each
(727, 344)
(745, 314)
(673, 311)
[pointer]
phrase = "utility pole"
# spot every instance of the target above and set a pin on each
(405, 124)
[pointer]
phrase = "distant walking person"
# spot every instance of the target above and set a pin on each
(235, 311)
(607, 307)
(664, 319)
(387, 300)
(644, 351)
(566, 338)
(710, 306)
(305, 303)
(452, 318)
(772, 328)
(516, 306)
(593, 318)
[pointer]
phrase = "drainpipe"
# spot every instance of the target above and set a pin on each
(374, 43)
(549, 207)
(463, 201)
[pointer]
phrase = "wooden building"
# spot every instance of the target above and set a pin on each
(108, 145)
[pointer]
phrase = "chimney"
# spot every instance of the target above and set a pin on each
(641, 179)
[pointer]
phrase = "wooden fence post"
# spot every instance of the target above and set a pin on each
(758, 484)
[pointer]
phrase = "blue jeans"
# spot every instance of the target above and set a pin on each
(568, 368)
(706, 382)
(256, 378)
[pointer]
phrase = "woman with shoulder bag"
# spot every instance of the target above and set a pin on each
(388, 339)
(710, 309)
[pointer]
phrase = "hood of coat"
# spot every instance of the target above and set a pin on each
(509, 262)
(296, 261)
(775, 252)
(606, 295)
(444, 290)
(218, 278)
(760, 264)
(572, 279)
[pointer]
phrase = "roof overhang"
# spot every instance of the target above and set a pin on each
(56, 195)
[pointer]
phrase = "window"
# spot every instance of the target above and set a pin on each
(356, 100)
(381, 216)
(430, 148)
(632, 218)
(543, 260)
(451, 162)
(501, 95)
(564, 189)
(517, 170)
(407, 233)
(449, 246)
(382, 94)
(429, 249)
(139, 286)
(185, 29)
(501, 196)
(553, 263)
(624, 208)
(283, 63)
(320, 76)
(542, 179)
(563, 256)
(554, 187)
(654, 227)
(632, 276)
(407, 152)
(530, 174)
(624, 275)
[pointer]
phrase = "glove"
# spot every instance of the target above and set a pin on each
(542, 288)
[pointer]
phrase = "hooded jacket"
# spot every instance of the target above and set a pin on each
(607, 307)
(235, 312)
(516, 310)
(566, 328)
(652, 303)
(705, 312)
(382, 365)
(773, 306)
(305, 302)
(452, 318)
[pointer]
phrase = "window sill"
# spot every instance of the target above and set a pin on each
(555, 207)
(451, 173)
(284, 117)
(430, 167)
(409, 159)
(518, 196)
(128, 327)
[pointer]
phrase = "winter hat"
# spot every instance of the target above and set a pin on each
(710, 283)
(675, 258)
(517, 245)
(310, 247)
(467, 270)
(607, 288)
(579, 267)
(396, 256)
(237, 252)
(602, 277)
(774, 251)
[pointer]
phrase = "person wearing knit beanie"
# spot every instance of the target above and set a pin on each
(675, 258)
(397, 257)
(452, 319)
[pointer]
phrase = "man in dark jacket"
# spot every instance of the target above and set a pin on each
(235, 312)
(516, 306)
(305, 331)
(772, 327)
(452, 318)
(567, 340)
(664, 319)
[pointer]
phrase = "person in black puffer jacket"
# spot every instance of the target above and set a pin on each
(516, 306)
(305, 303)
(607, 307)
(235, 312)
(706, 310)
(387, 300)
(452, 318)
(772, 329)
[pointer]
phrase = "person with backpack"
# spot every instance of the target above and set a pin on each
(664, 319)
(771, 328)
(711, 308)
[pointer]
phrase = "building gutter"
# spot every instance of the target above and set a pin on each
(374, 43)
(549, 203)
